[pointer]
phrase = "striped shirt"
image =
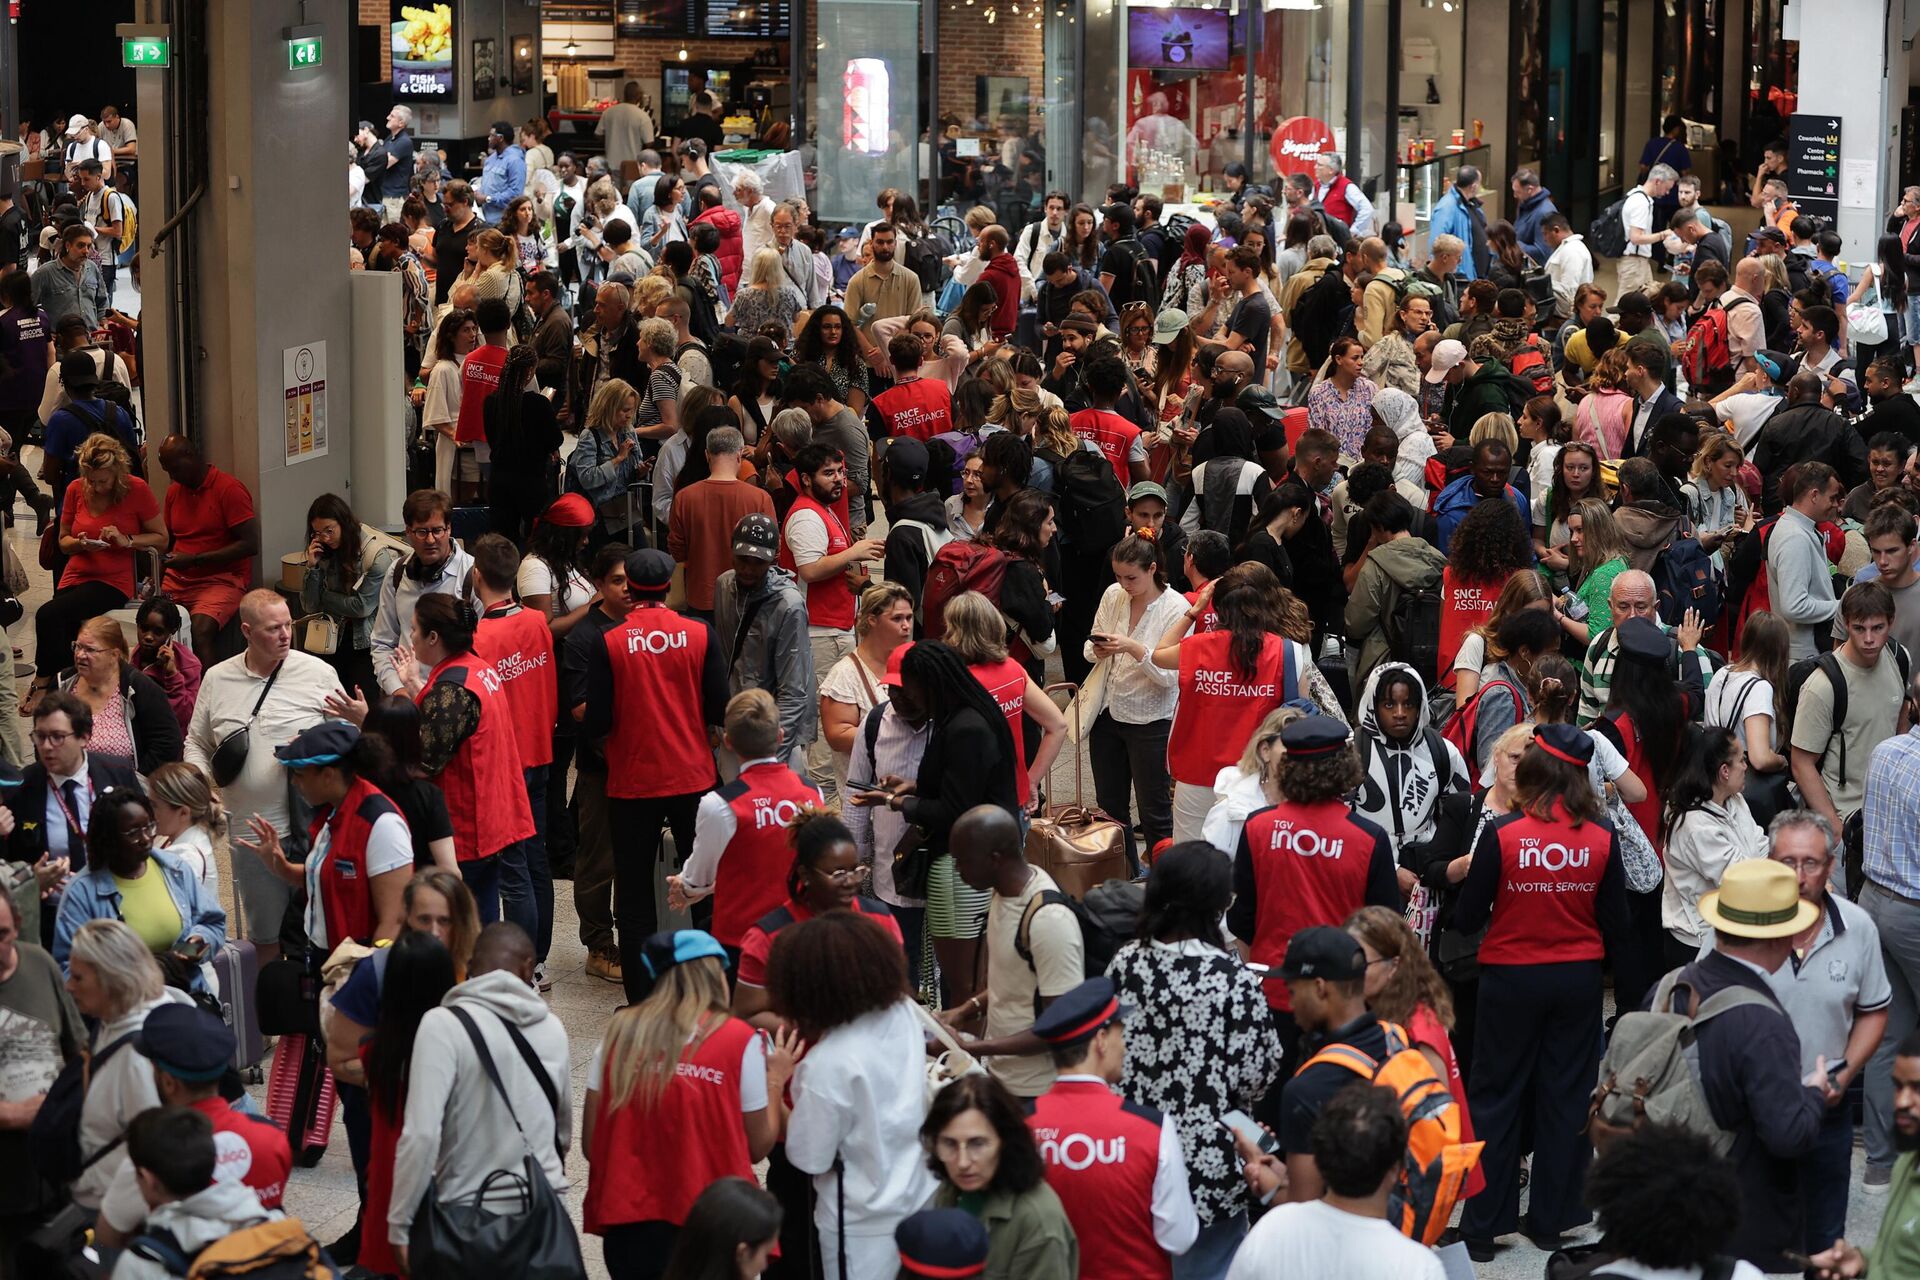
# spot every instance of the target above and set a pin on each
(1604, 652)
(876, 829)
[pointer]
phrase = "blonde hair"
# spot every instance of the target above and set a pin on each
(1516, 735)
(105, 630)
(1495, 426)
(1610, 371)
(1712, 448)
(609, 400)
(648, 293)
(1268, 732)
(875, 601)
(500, 245)
(184, 786)
(766, 268)
(101, 452)
(1775, 268)
(646, 1042)
(1600, 538)
(996, 372)
(752, 723)
(1024, 401)
(976, 630)
(1053, 430)
(979, 218)
(126, 971)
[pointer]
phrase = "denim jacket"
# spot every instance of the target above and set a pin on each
(91, 895)
(591, 470)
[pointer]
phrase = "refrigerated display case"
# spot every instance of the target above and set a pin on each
(1420, 183)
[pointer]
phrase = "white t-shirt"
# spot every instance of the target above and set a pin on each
(753, 1074)
(1315, 1239)
(536, 579)
(1637, 215)
(389, 847)
(1748, 412)
(194, 846)
(1053, 936)
(443, 394)
(1473, 653)
(1726, 693)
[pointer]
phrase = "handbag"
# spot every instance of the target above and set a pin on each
(1766, 794)
(1637, 859)
(952, 1063)
(319, 634)
(460, 1239)
(1079, 846)
(912, 862)
(1866, 323)
(230, 757)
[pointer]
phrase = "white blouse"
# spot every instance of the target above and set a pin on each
(1138, 692)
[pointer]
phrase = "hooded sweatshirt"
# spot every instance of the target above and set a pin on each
(909, 549)
(1402, 787)
(774, 654)
(1648, 527)
(1002, 275)
(1486, 390)
(732, 251)
(1404, 564)
(1401, 412)
(457, 1129)
(211, 1214)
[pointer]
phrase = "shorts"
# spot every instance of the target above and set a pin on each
(216, 600)
(953, 910)
(262, 895)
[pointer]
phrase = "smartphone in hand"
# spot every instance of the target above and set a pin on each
(1242, 1125)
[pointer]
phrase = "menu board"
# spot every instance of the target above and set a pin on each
(423, 51)
(754, 19)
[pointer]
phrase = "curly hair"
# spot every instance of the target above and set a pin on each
(102, 452)
(1491, 544)
(812, 834)
(1415, 981)
(1020, 1169)
(1663, 1197)
(825, 972)
(1317, 779)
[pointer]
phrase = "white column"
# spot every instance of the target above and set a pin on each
(1844, 76)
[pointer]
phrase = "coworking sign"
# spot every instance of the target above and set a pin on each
(1813, 163)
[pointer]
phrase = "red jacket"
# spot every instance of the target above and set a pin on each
(732, 249)
(1003, 274)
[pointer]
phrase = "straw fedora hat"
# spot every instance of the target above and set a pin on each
(1758, 898)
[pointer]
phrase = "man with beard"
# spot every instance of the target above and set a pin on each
(886, 284)
(1892, 408)
(1894, 1251)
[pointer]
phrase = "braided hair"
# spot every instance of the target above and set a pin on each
(949, 688)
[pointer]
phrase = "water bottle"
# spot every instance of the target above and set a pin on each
(1573, 606)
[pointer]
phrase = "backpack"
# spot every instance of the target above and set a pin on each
(1607, 234)
(1464, 724)
(53, 1139)
(1320, 313)
(1531, 366)
(1409, 286)
(1089, 502)
(1442, 772)
(273, 1249)
(1705, 355)
(1437, 1162)
(129, 218)
(1651, 1071)
(1800, 672)
(1146, 272)
(1685, 577)
(1836, 280)
(1413, 630)
(926, 257)
(1108, 918)
(958, 567)
(1176, 229)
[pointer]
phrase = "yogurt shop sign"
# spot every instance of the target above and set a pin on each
(1298, 142)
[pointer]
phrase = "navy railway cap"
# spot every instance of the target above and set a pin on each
(1074, 1017)
(326, 743)
(947, 1243)
(1323, 951)
(186, 1042)
(1313, 736)
(1642, 639)
(649, 571)
(1565, 742)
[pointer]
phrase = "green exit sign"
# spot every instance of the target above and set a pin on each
(303, 52)
(146, 51)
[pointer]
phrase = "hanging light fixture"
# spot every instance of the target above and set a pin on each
(683, 53)
(572, 49)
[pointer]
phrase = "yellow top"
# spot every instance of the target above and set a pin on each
(148, 908)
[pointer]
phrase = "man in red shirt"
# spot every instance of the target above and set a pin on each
(214, 535)
(480, 377)
(1002, 275)
(914, 405)
(190, 1050)
(519, 644)
(1119, 440)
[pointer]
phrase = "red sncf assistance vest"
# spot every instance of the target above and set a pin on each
(1101, 1154)
(479, 378)
(519, 644)
(1220, 707)
(650, 1162)
(830, 601)
(1006, 683)
(1546, 909)
(1310, 866)
(1112, 434)
(921, 408)
(486, 794)
(751, 879)
(658, 745)
(344, 895)
(1464, 605)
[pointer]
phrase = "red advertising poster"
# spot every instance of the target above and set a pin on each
(1298, 142)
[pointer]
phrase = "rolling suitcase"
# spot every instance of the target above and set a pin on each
(1079, 845)
(300, 1096)
(236, 971)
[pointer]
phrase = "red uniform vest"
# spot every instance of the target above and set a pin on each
(1546, 909)
(1210, 619)
(519, 644)
(1335, 201)
(486, 792)
(1006, 683)
(1646, 812)
(344, 894)
(1310, 866)
(658, 745)
(1463, 606)
(1112, 434)
(650, 1162)
(830, 601)
(248, 1149)
(1219, 707)
(920, 407)
(1101, 1153)
(479, 378)
(751, 879)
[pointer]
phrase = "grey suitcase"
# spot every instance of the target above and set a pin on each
(236, 971)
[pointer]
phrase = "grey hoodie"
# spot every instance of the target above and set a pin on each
(196, 1222)
(775, 653)
(457, 1129)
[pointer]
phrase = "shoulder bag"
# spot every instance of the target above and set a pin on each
(230, 757)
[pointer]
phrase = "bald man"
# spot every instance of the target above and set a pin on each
(1632, 595)
(213, 535)
(1745, 332)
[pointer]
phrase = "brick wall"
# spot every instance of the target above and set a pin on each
(378, 13)
(970, 47)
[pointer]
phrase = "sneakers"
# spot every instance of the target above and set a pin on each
(540, 978)
(1877, 1179)
(605, 964)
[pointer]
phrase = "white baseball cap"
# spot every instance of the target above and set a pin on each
(75, 124)
(1446, 356)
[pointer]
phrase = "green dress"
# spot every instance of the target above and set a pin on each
(1594, 590)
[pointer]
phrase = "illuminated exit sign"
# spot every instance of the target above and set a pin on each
(146, 51)
(303, 52)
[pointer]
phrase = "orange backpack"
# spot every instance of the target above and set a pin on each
(1437, 1162)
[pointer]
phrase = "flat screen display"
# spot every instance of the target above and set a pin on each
(1178, 39)
(423, 51)
(758, 19)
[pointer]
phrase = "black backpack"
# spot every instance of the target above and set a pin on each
(1413, 630)
(1091, 505)
(1685, 577)
(1108, 917)
(1146, 271)
(1320, 313)
(1607, 234)
(1797, 677)
(1176, 239)
(53, 1140)
(926, 257)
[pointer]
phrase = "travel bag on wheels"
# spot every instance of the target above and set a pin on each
(300, 1096)
(236, 972)
(1077, 844)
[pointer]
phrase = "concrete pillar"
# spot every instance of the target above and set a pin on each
(1844, 77)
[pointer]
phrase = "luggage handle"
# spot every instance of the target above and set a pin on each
(1073, 710)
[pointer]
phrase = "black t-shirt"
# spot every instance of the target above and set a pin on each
(587, 635)
(450, 255)
(16, 238)
(1252, 319)
(1307, 1092)
(1118, 261)
(398, 178)
(424, 806)
(703, 127)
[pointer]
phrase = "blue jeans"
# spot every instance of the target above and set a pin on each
(526, 887)
(1212, 1251)
(483, 881)
(1825, 1172)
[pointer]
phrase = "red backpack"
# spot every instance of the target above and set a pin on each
(957, 567)
(1530, 364)
(1706, 353)
(1464, 724)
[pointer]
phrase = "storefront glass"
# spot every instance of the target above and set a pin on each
(866, 107)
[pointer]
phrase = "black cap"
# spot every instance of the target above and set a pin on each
(1260, 400)
(1322, 951)
(906, 460)
(1565, 742)
(649, 571)
(1073, 1018)
(1642, 640)
(1770, 232)
(324, 743)
(78, 372)
(186, 1042)
(757, 536)
(942, 1242)
(1314, 736)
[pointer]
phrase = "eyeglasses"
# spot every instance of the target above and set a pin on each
(50, 737)
(87, 649)
(853, 876)
(429, 531)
